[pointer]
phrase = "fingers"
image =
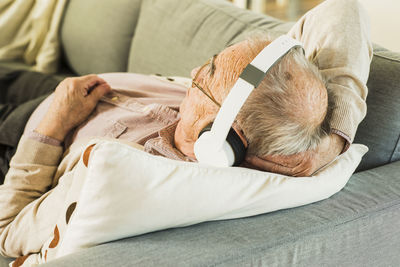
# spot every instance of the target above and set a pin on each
(265, 165)
(302, 171)
(82, 86)
(99, 91)
(290, 161)
(91, 80)
(287, 165)
(90, 86)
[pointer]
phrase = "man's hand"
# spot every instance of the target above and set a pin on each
(301, 164)
(74, 99)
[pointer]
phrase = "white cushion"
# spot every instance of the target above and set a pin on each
(128, 192)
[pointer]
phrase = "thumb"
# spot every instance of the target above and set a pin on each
(99, 91)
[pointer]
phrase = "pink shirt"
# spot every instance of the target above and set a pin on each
(142, 109)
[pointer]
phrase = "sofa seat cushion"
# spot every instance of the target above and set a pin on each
(359, 226)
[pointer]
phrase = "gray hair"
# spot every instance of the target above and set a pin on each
(273, 119)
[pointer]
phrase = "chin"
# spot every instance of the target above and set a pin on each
(182, 143)
(187, 148)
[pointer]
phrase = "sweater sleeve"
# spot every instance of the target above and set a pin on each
(26, 184)
(336, 38)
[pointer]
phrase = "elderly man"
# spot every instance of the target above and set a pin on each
(298, 119)
(287, 114)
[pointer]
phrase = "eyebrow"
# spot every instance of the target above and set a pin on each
(212, 70)
(213, 65)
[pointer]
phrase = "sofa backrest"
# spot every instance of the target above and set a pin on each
(96, 34)
(172, 37)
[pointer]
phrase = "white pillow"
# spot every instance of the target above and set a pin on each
(128, 192)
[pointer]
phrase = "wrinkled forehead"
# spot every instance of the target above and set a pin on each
(228, 53)
(242, 53)
(239, 49)
(224, 68)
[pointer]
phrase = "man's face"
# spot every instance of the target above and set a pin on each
(202, 101)
(195, 110)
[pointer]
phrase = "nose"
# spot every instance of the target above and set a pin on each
(194, 72)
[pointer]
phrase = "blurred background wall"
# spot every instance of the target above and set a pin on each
(384, 15)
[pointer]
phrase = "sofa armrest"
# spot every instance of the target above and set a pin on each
(380, 130)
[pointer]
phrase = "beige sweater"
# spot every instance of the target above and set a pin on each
(335, 35)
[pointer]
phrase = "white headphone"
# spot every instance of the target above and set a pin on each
(219, 145)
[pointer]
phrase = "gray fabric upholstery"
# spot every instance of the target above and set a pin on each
(4, 262)
(380, 130)
(96, 34)
(172, 37)
(358, 226)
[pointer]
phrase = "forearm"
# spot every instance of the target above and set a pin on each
(30, 176)
(28, 209)
(336, 37)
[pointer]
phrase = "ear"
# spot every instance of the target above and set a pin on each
(239, 131)
(194, 72)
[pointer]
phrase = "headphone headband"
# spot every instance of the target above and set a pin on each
(249, 79)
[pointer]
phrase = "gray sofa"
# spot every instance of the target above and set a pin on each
(359, 226)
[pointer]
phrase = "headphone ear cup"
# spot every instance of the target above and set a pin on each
(206, 129)
(237, 145)
(234, 141)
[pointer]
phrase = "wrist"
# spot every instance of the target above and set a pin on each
(43, 138)
(338, 143)
(52, 130)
